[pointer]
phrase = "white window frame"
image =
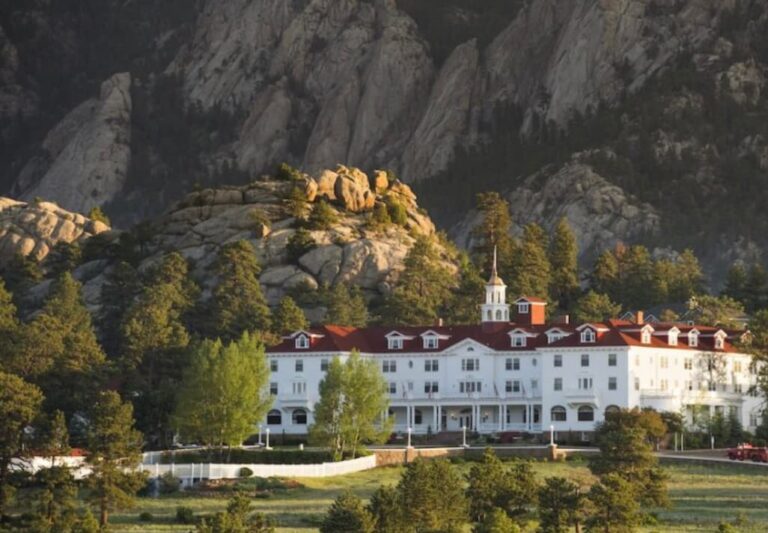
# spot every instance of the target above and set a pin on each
(431, 343)
(302, 342)
(588, 336)
(395, 343)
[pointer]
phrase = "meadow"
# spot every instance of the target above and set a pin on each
(702, 497)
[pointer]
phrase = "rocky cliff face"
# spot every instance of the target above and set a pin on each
(227, 89)
(351, 252)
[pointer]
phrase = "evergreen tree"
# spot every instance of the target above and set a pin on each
(435, 497)
(497, 521)
(422, 290)
(69, 383)
(386, 508)
(19, 274)
(625, 450)
(52, 436)
(224, 392)
(493, 231)
(605, 275)
(56, 499)
(563, 257)
(114, 452)
(119, 291)
(615, 506)
(490, 486)
(322, 217)
(594, 307)
(757, 289)
(346, 307)
(531, 271)
(64, 257)
(398, 214)
(347, 515)
(297, 204)
(299, 244)
(379, 219)
(238, 518)
(462, 307)
(736, 283)
(353, 395)
(560, 504)
(688, 278)
(289, 317)
(9, 326)
(238, 304)
(19, 406)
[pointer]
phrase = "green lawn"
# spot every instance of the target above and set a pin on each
(702, 496)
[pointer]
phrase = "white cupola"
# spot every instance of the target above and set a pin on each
(495, 308)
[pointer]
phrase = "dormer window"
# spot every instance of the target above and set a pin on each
(588, 335)
(645, 337)
(430, 343)
(523, 308)
(395, 343)
(518, 341)
(302, 342)
(693, 338)
(672, 336)
(719, 340)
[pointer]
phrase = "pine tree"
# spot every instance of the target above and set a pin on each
(52, 436)
(435, 497)
(98, 215)
(296, 203)
(595, 307)
(560, 504)
(493, 231)
(490, 486)
(615, 506)
(688, 279)
(19, 274)
(9, 326)
(346, 307)
(238, 303)
(322, 217)
(531, 271)
(300, 243)
(497, 521)
(56, 498)
(64, 257)
(563, 257)
(605, 275)
(422, 290)
(114, 452)
(289, 317)
(118, 293)
(386, 508)
(75, 372)
(19, 406)
(223, 393)
(462, 307)
(379, 219)
(757, 288)
(347, 515)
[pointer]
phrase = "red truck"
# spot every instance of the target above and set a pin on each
(746, 452)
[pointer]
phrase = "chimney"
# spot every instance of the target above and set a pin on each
(639, 317)
(563, 320)
(440, 322)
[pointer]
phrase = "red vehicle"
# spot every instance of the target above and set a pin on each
(747, 452)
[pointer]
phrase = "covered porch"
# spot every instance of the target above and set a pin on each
(481, 418)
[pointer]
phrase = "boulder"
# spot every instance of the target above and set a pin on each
(354, 195)
(326, 184)
(380, 181)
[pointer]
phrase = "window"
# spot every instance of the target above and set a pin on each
(611, 359)
(612, 409)
(585, 359)
(558, 414)
(417, 418)
(645, 337)
(688, 363)
(431, 365)
(299, 365)
(410, 386)
(558, 384)
(637, 359)
(585, 383)
(689, 385)
(712, 386)
(274, 418)
(637, 383)
(523, 308)
(470, 365)
(558, 360)
(534, 384)
(392, 387)
(302, 342)
(516, 363)
(664, 384)
(430, 387)
(323, 365)
(513, 386)
(588, 335)
(518, 341)
(395, 343)
(611, 383)
(737, 366)
(273, 388)
(299, 387)
(586, 414)
(470, 387)
(430, 343)
(273, 365)
(693, 339)
(664, 361)
(673, 337)
(299, 417)
(388, 366)
(719, 342)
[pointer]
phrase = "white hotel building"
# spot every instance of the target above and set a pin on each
(522, 375)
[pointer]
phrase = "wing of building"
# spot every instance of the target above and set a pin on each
(523, 374)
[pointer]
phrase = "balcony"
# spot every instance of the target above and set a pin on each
(577, 396)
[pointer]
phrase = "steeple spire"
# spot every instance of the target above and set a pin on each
(495, 279)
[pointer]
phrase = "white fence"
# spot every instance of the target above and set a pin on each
(189, 473)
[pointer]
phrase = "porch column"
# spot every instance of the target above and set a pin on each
(477, 418)
(501, 418)
(434, 419)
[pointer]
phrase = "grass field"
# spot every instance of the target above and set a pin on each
(702, 496)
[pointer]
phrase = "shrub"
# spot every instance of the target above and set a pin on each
(146, 517)
(169, 484)
(245, 472)
(258, 217)
(380, 217)
(184, 515)
(397, 212)
(300, 243)
(97, 214)
(287, 172)
(322, 217)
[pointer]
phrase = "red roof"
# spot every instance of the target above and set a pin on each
(612, 333)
